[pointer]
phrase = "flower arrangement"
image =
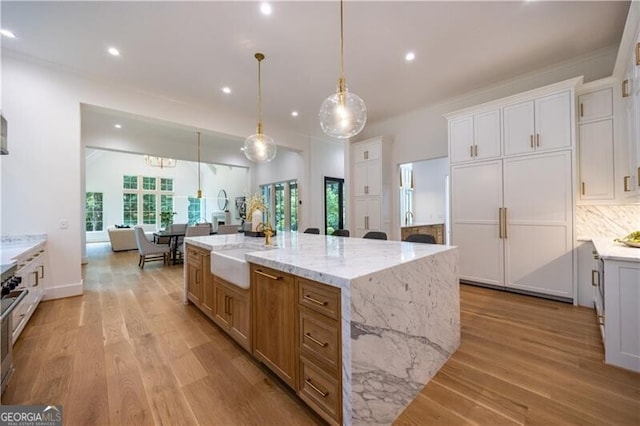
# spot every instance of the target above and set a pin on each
(256, 202)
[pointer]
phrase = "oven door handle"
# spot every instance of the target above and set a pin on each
(11, 307)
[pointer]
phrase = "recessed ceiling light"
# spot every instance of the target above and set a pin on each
(294, 113)
(409, 56)
(265, 8)
(118, 126)
(226, 90)
(7, 33)
(242, 149)
(113, 51)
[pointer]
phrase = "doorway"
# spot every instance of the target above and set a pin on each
(333, 204)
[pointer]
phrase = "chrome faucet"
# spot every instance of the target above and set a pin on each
(406, 218)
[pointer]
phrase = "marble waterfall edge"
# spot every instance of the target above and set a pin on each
(405, 324)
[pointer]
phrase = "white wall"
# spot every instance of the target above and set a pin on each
(104, 171)
(328, 161)
(429, 191)
(42, 180)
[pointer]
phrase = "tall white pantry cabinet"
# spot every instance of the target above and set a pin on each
(512, 191)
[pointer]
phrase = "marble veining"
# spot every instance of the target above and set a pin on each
(614, 221)
(400, 314)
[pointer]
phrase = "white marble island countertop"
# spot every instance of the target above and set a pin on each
(608, 248)
(326, 259)
(400, 310)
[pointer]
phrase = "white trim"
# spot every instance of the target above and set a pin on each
(68, 290)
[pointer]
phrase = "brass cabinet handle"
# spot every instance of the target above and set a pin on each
(366, 155)
(625, 89)
(226, 304)
(37, 278)
(581, 110)
(315, 388)
(197, 276)
(316, 301)
(600, 319)
(366, 222)
(316, 341)
(366, 189)
(582, 188)
(595, 278)
(471, 150)
(537, 139)
(42, 271)
(531, 140)
(264, 274)
(627, 183)
(475, 150)
(230, 309)
(500, 233)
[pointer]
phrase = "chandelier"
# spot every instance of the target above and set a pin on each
(160, 162)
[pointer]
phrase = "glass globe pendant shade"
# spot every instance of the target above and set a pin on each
(260, 148)
(343, 115)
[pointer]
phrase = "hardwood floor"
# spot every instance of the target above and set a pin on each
(129, 352)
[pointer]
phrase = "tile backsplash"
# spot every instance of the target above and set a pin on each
(614, 221)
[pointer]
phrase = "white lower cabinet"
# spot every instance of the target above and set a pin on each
(367, 215)
(32, 271)
(622, 313)
(512, 220)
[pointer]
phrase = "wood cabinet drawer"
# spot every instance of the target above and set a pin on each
(319, 297)
(320, 391)
(320, 338)
(193, 256)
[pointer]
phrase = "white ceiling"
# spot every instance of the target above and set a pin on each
(188, 50)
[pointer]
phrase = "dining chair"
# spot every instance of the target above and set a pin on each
(421, 238)
(149, 251)
(375, 235)
(341, 233)
(312, 231)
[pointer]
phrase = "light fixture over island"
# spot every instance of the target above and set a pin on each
(356, 327)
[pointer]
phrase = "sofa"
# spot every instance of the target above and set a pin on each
(123, 239)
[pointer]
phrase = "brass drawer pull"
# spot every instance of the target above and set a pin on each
(315, 388)
(273, 277)
(316, 301)
(595, 278)
(316, 341)
(537, 139)
(37, 278)
(581, 110)
(600, 319)
(627, 183)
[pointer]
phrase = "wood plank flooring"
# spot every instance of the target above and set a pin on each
(129, 352)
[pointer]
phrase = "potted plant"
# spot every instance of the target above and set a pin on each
(166, 219)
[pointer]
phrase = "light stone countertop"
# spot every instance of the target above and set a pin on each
(13, 248)
(326, 259)
(609, 249)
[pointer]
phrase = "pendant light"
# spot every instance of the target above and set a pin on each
(161, 162)
(199, 188)
(259, 148)
(343, 114)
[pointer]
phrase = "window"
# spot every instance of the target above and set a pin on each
(333, 204)
(130, 209)
(144, 198)
(283, 205)
(94, 219)
(194, 210)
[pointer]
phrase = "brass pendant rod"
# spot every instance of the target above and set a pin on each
(259, 57)
(199, 188)
(341, 44)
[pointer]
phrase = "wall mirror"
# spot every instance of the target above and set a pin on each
(223, 200)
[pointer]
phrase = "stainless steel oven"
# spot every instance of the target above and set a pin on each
(10, 299)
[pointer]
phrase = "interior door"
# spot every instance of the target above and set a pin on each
(476, 196)
(539, 243)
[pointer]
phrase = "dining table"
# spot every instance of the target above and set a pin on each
(173, 240)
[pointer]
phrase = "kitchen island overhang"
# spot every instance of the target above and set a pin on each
(400, 311)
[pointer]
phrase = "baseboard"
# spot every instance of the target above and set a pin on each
(60, 292)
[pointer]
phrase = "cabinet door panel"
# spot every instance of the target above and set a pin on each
(359, 178)
(239, 315)
(373, 213)
(374, 177)
(359, 213)
(481, 252)
(220, 316)
(486, 128)
(595, 105)
(596, 160)
(553, 121)
(476, 192)
(460, 139)
(518, 128)
(539, 243)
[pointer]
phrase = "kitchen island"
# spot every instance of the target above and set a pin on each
(399, 311)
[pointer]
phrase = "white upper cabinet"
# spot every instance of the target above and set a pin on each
(596, 160)
(475, 137)
(538, 125)
(595, 105)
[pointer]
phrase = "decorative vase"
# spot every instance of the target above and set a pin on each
(256, 219)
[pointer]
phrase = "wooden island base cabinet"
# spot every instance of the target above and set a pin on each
(296, 333)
